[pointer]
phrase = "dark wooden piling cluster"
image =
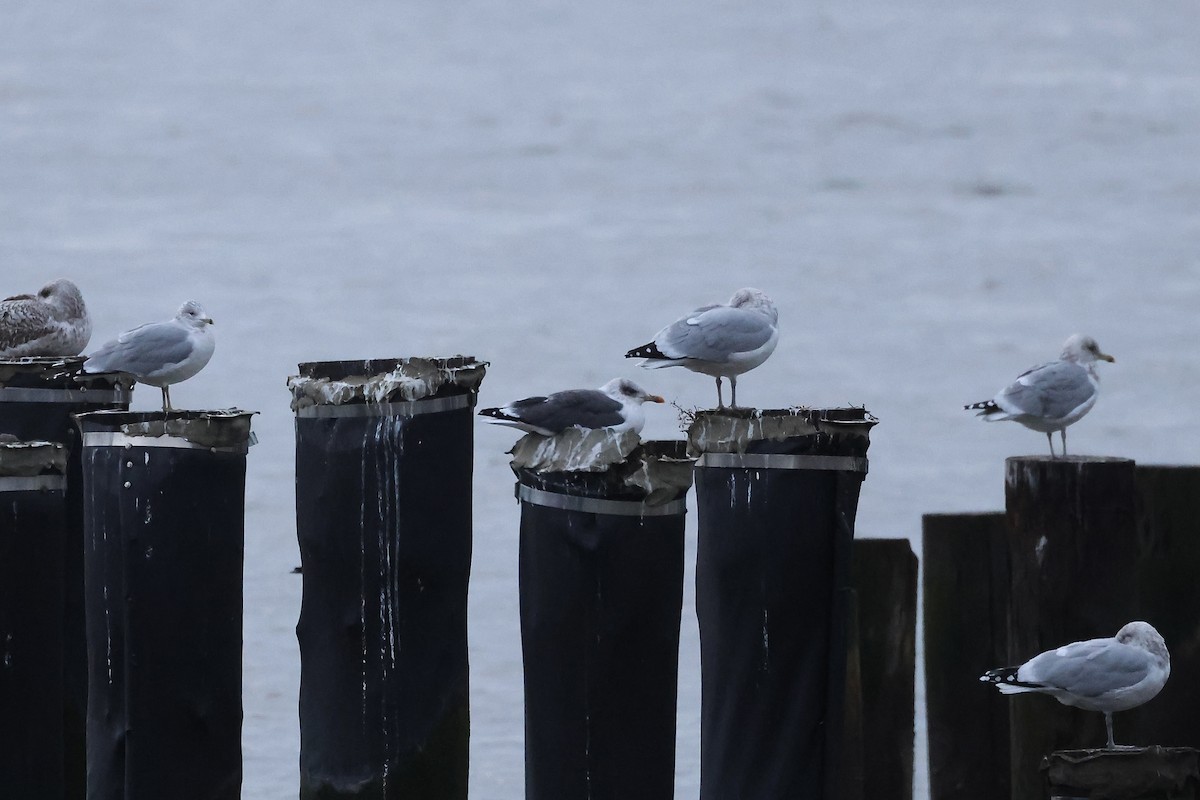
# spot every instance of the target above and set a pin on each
(1085, 546)
(38, 398)
(143, 530)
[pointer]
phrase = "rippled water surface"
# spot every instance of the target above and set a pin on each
(935, 193)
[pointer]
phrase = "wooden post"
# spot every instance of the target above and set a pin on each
(1169, 536)
(1072, 549)
(965, 588)
(885, 581)
(1144, 773)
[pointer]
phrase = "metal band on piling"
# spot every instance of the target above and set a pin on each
(21, 394)
(113, 439)
(401, 408)
(596, 505)
(781, 461)
(34, 483)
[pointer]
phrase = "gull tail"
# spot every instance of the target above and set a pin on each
(498, 413)
(649, 350)
(653, 358)
(1006, 681)
(987, 409)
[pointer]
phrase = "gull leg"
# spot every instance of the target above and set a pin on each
(1108, 723)
(720, 401)
(733, 391)
(166, 391)
(1050, 439)
(1064, 438)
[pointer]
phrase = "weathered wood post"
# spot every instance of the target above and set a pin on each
(1143, 773)
(1169, 539)
(885, 588)
(1073, 548)
(384, 455)
(32, 534)
(965, 590)
(601, 585)
(777, 494)
(164, 499)
(38, 397)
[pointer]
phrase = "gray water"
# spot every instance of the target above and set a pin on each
(935, 193)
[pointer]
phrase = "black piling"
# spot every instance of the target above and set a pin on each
(1072, 548)
(384, 455)
(163, 523)
(32, 534)
(777, 493)
(1169, 537)
(965, 589)
(38, 397)
(601, 586)
(1142, 773)
(885, 587)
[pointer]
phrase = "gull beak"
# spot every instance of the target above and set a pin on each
(208, 320)
(1108, 358)
(653, 398)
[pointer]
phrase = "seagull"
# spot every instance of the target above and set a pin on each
(53, 322)
(1051, 396)
(719, 340)
(616, 405)
(1105, 675)
(160, 353)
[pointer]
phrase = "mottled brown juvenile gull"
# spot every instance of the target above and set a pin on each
(616, 405)
(1051, 396)
(719, 340)
(160, 353)
(1106, 675)
(53, 322)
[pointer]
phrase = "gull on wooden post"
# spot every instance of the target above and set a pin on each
(53, 322)
(160, 353)
(1106, 675)
(1051, 396)
(616, 405)
(718, 340)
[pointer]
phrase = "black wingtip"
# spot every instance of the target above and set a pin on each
(492, 412)
(649, 350)
(985, 406)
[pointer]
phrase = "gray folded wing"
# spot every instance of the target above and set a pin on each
(586, 408)
(1051, 390)
(1089, 669)
(714, 333)
(143, 350)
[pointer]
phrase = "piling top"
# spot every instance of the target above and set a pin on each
(1128, 772)
(384, 380)
(652, 472)
(59, 373)
(788, 431)
(28, 459)
(227, 428)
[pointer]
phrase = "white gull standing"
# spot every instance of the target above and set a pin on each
(160, 353)
(1051, 396)
(616, 405)
(53, 322)
(1106, 675)
(719, 340)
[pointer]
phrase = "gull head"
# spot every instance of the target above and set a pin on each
(754, 300)
(1143, 635)
(64, 296)
(624, 390)
(193, 314)
(1084, 350)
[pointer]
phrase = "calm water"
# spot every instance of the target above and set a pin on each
(935, 194)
